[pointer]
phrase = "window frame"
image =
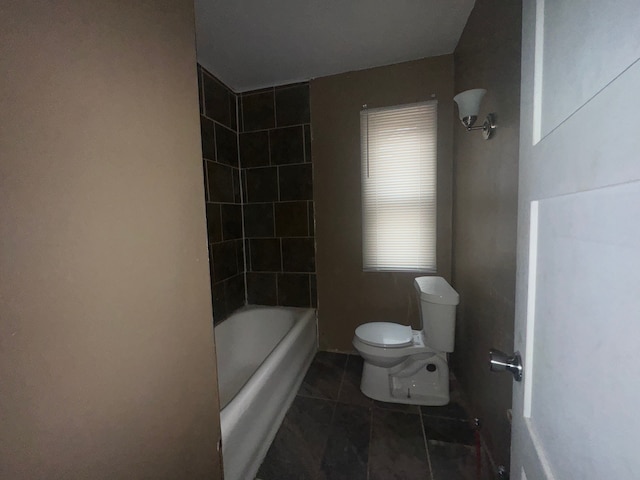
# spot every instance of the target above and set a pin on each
(428, 202)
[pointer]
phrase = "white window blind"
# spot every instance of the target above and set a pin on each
(398, 150)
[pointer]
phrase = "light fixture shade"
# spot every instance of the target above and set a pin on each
(469, 102)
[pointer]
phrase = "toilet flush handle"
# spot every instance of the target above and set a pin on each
(501, 362)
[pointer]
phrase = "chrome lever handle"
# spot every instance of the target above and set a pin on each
(501, 362)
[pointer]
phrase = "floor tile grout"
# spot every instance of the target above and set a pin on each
(370, 441)
(426, 446)
(333, 416)
(344, 370)
(438, 428)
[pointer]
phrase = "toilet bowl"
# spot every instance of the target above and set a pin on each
(387, 344)
(402, 365)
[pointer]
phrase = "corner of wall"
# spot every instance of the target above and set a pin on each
(485, 213)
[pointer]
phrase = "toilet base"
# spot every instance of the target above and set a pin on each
(419, 380)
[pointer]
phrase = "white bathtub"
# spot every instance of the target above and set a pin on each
(263, 354)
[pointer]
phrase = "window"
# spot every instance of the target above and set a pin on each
(398, 157)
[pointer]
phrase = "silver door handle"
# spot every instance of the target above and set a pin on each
(501, 362)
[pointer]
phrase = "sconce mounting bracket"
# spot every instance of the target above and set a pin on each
(489, 126)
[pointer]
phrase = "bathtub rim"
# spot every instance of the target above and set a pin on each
(232, 413)
(260, 372)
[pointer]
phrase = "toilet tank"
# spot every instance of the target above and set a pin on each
(437, 300)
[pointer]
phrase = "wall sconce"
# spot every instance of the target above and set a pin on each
(468, 108)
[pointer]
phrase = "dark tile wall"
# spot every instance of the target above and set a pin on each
(275, 159)
(269, 151)
(219, 130)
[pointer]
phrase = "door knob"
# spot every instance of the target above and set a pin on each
(501, 362)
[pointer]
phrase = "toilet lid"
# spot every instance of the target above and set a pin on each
(385, 334)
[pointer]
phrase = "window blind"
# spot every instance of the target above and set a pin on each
(398, 157)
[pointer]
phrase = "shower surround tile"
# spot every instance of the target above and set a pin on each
(262, 184)
(222, 195)
(225, 262)
(287, 145)
(208, 138)
(214, 222)
(258, 220)
(292, 219)
(298, 255)
(294, 290)
(258, 110)
(258, 192)
(261, 289)
(313, 290)
(226, 146)
(307, 143)
(231, 221)
(234, 293)
(292, 105)
(221, 182)
(218, 100)
(296, 182)
(254, 149)
(265, 254)
(275, 147)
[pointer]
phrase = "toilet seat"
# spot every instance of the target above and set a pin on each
(385, 334)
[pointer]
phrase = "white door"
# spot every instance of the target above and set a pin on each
(577, 410)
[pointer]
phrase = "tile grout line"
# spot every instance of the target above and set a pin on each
(344, 373)
(324, 448)
(426, 447)
(242, 202)
(257, 167)
(344, 369)
(275, 108)
(268, 129)
(333, 415)
(370, 441)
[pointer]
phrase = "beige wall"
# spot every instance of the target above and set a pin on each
(107, 363)
(485, 213)
(348, 297)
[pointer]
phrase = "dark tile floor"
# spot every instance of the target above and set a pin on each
(333, 432)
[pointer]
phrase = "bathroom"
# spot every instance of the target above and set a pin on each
(301, 245)
(117, 264)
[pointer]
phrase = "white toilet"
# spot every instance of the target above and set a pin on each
(402, 365)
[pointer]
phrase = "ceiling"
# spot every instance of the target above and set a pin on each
(250, 44)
